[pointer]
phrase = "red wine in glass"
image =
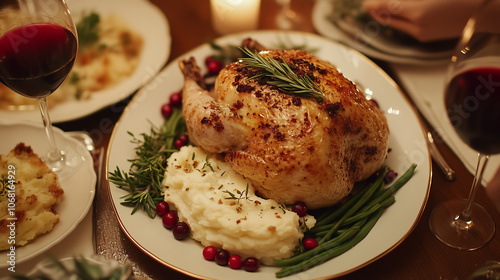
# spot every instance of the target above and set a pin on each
(36, 58)
(38, 47)
(472, 100)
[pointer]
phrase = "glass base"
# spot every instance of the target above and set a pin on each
(466, 235)
(64, 162)
(56, 161)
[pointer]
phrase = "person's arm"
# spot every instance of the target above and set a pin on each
(426, 20)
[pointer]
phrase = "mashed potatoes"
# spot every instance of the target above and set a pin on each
(37, 191)
(222, 209)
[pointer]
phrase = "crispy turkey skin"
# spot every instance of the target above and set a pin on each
(291, 148)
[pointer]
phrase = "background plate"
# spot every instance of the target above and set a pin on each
(141, 16)
(79, 188)
(373, 45)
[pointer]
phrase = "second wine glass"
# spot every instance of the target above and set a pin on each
(38, 46)
(472, 100)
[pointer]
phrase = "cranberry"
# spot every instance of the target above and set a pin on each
(222, 257)
(176, 99)
(178, 144)
(166, 110)
(170, 219)
(180, 230)
(181, 142)
(235, 261)
(310, 243)
(209, 59)
(209, 253)
(300, 208)
(251, 264)
(390, 176)
(162, 208)
(213, 65)
(184, 138)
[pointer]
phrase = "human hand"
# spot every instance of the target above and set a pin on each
(493, 189)
(425, 20)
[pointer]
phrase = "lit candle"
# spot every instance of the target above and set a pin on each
(230, 16)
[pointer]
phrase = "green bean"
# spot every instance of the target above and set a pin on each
(360, 215)
(364, 198)
(336, 213)
(332, 243)
(401, 181)
(329, 254)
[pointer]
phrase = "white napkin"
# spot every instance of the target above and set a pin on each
(425, 85)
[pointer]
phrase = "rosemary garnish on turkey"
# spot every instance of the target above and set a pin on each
(282, 76)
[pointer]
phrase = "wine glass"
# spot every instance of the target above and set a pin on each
(38, 46)
(472, 100)
(286, 17)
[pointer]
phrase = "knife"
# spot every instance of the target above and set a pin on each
(449, 173)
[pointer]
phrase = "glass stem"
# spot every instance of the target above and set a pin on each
(284, 19)
(478, 177)
(54, 156)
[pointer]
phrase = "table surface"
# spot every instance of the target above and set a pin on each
(419, 256)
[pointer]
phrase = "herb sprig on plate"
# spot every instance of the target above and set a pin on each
(88, 30)
(144, 179)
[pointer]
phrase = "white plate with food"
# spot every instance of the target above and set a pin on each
(374, 39)
(79, 186)
(103, 76)
(407, 146)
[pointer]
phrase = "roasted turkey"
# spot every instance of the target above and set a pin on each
(291, 148)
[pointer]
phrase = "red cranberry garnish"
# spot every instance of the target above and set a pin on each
(310, 243)
(235, 262)
(209, 253)
(180, 230)
(251, 264)
(162, 208)
(170, 219)
(222, 257)
(166, 110)
(176, 99)
(300, 208)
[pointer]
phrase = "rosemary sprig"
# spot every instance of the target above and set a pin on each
(282, 76)
(144, 179)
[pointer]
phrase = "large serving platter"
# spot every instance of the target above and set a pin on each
(145, 19)
(78, 183)
(406, 141)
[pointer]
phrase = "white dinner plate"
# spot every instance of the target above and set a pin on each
(406, 141)
(145, 19)
(79, 188)
(367, 40)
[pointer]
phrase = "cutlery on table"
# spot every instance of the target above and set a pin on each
(106, 233)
